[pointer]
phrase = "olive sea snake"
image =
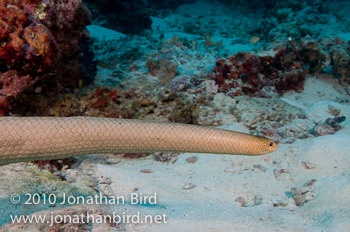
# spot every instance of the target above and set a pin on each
(44, 138)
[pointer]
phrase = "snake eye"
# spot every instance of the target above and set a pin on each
(271, 144)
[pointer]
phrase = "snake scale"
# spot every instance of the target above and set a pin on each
(45, 138)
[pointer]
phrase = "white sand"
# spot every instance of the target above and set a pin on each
(103, 34)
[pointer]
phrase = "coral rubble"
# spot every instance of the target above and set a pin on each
(330, 126)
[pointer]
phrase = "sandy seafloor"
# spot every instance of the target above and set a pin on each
(216, 192)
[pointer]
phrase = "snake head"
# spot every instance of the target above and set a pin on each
(272, 146)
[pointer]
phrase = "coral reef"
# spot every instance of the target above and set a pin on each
(163, 105)
(170, 81)
(39, 44)
(294, 19)
(281, 66)
(132, 91)
(327, 52)
(283, 19)
(192, 98)
(260, 75)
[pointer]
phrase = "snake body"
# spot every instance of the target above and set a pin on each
(45, 138)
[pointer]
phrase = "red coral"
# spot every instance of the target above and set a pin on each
(11, 83)
(261, 75)
(112, 95)
(252, 74)
(39, 41)
(102, 98)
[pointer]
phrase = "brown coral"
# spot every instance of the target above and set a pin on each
(39, 42)
(251, 74)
